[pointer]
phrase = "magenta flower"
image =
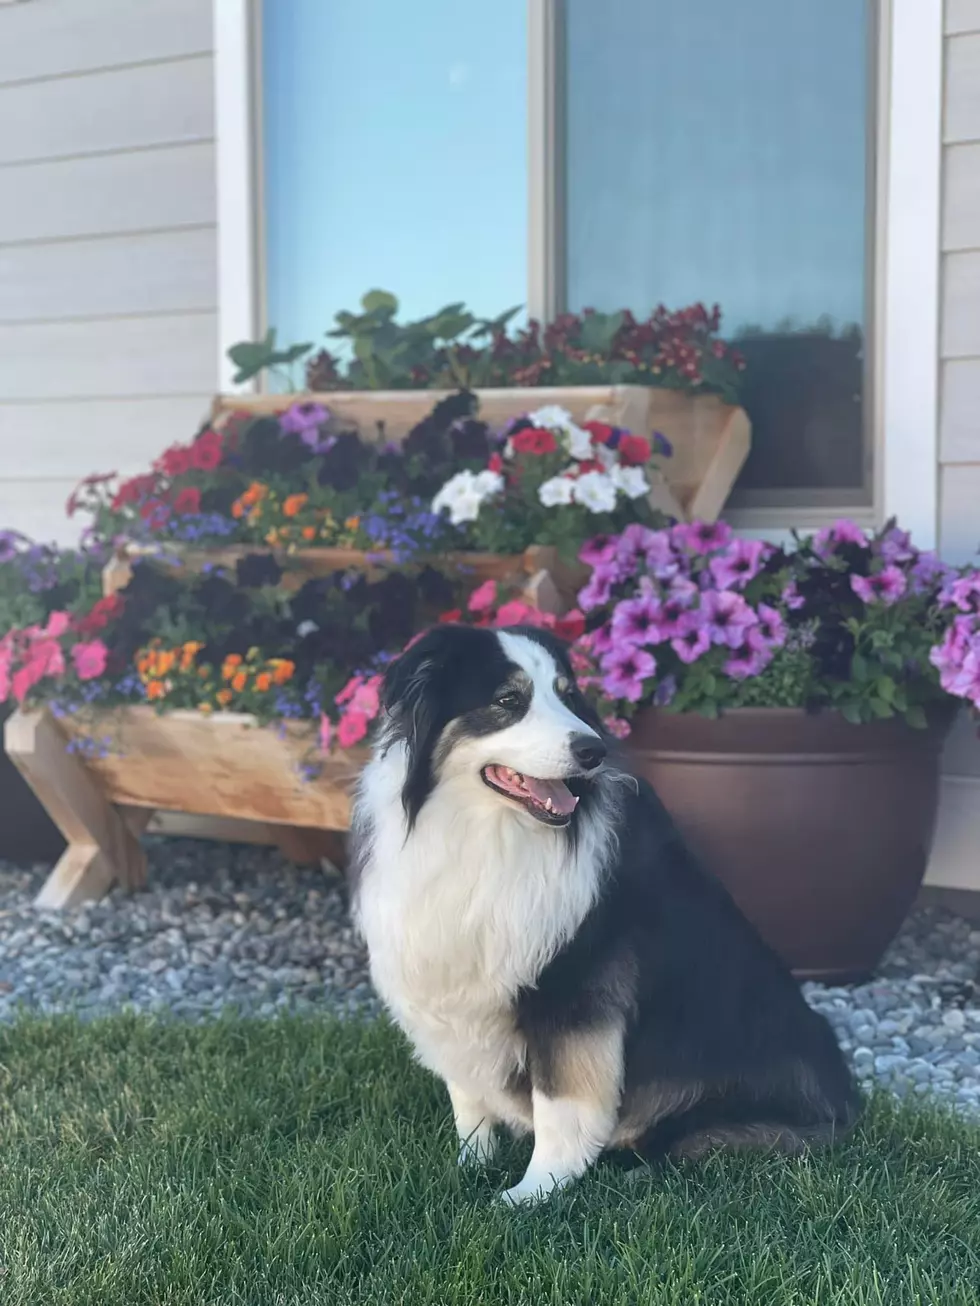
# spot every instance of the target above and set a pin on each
(675, 611)
(792, 597)
(827, 541)
(638, 543)
(625, 670)
(599, 589)
(896, 546)
(637, 621)
(886, 586)
(89, 659)
(957, 658)
(747, 662)
(617, 726)
(701, 536)
(728, 617)
(661, 558)
(964, 593)
(693, 640)
(739, 564)
(601, 640)
(769, 632)
(928, 572)
(598, 551)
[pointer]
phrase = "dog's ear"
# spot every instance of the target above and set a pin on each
(411, 706)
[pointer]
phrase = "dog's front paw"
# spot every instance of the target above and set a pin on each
(479, 1149)
(533, 1188)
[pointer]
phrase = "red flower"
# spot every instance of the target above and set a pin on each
(155, 512)
(534, 440)
(102, 612)
(453, 615)
(601, 432)
(633, 450)
(175, 461)
(133, 490)
(588, 465)
(571, 625)
(496, 463)
(206, 451)
(188, 500)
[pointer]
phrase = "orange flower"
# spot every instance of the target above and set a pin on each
(156, 689)
(188, 653)
(230, 665)
(224, 697)
(254, 493)
(282, 669)
(237, 510)
(205, 708)
(272, 536)
(203, 672)
(238, 681)
(263, 682)
(294, 504)
(352, 523)
(309, 532)
(165, 662)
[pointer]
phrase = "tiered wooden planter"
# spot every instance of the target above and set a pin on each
(225, 770)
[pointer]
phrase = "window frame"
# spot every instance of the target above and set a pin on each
(902, 336)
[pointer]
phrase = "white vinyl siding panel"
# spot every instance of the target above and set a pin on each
(69, 438)
(50, 38)
(962, 16)
(961, 197)
(109, 193)
(959, 418)
(961, 305)
(108, 243)
(169, 355)
(167, 272)
(122, 109)
(962, 111)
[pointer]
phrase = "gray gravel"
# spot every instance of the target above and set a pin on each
(237, 927)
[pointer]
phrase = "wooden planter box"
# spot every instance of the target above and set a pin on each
(710, 439)
(224, 766)
(543, 578)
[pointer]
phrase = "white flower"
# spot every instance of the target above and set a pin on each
(595, 491)
(464, 494)
(630, 481)
(551, 416)
(603, 454)
(579, 442)
(557, 492)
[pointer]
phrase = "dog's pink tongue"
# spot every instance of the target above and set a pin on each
(562, 800)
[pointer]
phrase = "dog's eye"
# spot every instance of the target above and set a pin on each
(510, 701)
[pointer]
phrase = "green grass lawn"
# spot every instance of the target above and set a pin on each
(310, 1162)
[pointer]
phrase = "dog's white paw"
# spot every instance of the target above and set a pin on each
(533, 1189)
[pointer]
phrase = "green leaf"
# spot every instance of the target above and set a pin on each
(880, 708)
(598, 331)
(885, 688)
(852, 712)
(379, 301)
(916, 717)
(859, 667)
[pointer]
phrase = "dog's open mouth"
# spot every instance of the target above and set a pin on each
(550, 801)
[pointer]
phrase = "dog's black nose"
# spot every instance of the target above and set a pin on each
(588, 751)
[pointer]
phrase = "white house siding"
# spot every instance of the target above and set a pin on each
(108, 243)
(956, 859)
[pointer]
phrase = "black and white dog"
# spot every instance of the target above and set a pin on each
(549, 945)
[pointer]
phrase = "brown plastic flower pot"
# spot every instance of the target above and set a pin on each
(819, 829)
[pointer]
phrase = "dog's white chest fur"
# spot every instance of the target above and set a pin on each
(462, 914)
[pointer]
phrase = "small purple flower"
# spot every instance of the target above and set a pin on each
(928, 573)
(747, 662)
(665, 692)
(693, 640)
(635, 542)
(9, 541)
(661, 445)
(637, 621)
(963, 593)
(883, 587)
(827, 541)
(957, 658)
(728, 617)
(599, 551)
(792, 597)
(601, 640)
(302, 417)
(895, 546)
(625, 670)
(599, 589)
(701, 536)
(739, 564)
(769, 632)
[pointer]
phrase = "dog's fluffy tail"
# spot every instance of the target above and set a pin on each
(763, 1136)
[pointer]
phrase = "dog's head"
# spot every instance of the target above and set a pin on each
(499, 708)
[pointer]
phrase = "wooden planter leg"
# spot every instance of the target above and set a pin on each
(101, 847)
(309, 847)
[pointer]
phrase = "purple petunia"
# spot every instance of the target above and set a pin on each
(599, 589)
(769, 632)
(624, 671)
(694, 639)
(701, 536)
(599, 551)
(895, 546)
(792, 597)
(305, 421)
(885, 586)
(957, 658)
(728, 617)
(637, 621)
(827, 541)
(739, 564)
(747, 662)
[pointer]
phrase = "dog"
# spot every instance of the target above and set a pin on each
(551, 948)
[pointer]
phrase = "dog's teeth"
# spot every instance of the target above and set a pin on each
(549, 805)
(576, 800)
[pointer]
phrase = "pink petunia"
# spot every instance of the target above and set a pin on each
(352, 728)
(792, 597)
(769, 631)
(701, 536)
(483, 597)
(747, 662)
(617, 726)
(728, 617)
(349, 690)
(58, 623)
(885, 586)
(6, 659)
(598, 551)
(624, 671)
(367, 698)
(964, 593)
(694, 640)
(598, 591)
(518, 613)
(89, 659)
(45, 658)
(326, 732)
(637, 621)
(739, 563)
(827, 541)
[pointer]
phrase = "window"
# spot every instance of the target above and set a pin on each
(679, 150)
